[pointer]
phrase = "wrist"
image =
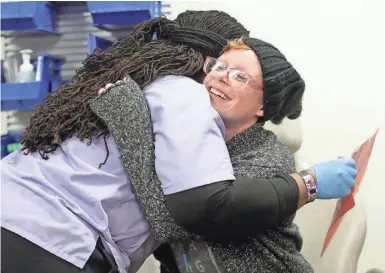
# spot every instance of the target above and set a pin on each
(312, 173)
(303, 196)
(309, 179)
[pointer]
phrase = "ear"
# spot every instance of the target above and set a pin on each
(259, 113)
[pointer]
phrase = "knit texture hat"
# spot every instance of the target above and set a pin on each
(283, 87)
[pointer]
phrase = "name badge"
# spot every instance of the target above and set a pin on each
(194, 256)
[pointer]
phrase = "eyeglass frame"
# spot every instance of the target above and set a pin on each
(228, 70)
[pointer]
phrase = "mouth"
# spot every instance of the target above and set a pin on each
(218, 94)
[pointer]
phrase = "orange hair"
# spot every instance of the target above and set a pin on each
(236, 44)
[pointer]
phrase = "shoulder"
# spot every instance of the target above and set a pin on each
(277, 154)
(174, 80)
(258, 152)
(176, 84)
(177, 93)
(92, 153)
(271, 140)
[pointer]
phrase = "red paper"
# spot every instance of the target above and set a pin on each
(361, 156)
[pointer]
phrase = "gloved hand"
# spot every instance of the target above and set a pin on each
(335, 178)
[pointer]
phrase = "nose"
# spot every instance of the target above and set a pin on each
(223, 77)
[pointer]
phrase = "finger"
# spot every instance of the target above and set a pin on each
(119, 82)
(101, 90)
(352, 172)
(351, 163)
(108, 85)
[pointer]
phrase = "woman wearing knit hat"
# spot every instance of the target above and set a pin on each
(249, 79)
(60, 202)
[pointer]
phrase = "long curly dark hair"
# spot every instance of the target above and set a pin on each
(179, 49)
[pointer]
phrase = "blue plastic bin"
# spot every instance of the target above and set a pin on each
(9, 141)
(24, 96)
(5, 140)
(28, 16)
(111, 15)
(2, 72)
(97, 42)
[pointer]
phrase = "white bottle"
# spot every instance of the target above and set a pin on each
(11, 67)
(26, 71)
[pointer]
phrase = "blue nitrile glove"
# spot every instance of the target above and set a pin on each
(335, 178)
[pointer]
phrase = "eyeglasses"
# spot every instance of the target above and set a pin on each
(235, 75)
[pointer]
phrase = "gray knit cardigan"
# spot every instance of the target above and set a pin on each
(254, 153)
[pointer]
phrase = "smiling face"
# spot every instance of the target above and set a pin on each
(235, 84)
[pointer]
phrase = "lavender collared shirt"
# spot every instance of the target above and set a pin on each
(66, 203)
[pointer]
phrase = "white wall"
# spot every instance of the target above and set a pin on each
(339, 48)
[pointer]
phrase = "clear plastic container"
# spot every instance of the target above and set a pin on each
(26, 71)
(11, 65)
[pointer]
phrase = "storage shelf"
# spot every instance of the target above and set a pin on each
(8, 143)
(114, 15)
(97, 42)
(28, 18)
(24, 96)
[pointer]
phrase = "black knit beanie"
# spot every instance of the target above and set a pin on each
(283, 87)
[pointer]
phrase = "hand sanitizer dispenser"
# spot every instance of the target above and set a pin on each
(26, 71)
